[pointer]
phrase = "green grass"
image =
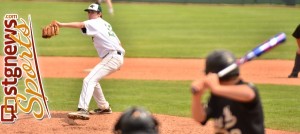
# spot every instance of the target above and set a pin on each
(281, 103)
(166, 30)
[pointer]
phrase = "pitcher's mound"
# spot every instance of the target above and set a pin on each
(104, 124)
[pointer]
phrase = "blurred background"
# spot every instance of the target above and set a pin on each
(287, 2)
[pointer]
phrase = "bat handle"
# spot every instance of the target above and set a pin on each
(227, 70)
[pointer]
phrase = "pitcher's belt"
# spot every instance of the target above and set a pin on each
(118, 52)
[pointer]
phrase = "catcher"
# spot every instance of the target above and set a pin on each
(136, 121)
(109, 49)
(234, 104)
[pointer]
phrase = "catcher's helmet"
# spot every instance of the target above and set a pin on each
(94, 7)
(136, 121)
(218, 60)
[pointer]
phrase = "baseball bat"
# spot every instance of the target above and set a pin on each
(256, 52)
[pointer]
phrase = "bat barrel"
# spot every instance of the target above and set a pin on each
(256, 52)
(264, 47)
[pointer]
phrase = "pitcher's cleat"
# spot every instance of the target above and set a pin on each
(101, 111)
(80, 114)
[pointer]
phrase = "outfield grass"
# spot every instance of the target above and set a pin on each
(281, 104)
(166, 30)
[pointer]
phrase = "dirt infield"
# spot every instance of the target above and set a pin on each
(258, 71)
(103, 124)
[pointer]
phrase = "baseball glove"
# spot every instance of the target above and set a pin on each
(50, 30)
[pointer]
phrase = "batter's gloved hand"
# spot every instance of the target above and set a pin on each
(50, 30)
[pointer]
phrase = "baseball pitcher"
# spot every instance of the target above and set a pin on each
(109, 49)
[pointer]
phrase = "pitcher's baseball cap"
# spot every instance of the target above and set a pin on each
(94, 7)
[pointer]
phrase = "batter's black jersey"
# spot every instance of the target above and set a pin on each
(231, 116)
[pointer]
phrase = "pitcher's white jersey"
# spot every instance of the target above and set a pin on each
(104, 38)
(110, 51)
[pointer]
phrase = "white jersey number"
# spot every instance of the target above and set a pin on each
(110, 31)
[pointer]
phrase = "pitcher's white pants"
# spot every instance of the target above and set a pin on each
(91, 87)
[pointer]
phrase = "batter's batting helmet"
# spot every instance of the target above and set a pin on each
(136, 121)
(218, 60)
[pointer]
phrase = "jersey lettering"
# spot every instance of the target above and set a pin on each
(110, 31)
(226, 121)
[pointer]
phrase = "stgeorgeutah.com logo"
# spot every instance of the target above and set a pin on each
(22, 86)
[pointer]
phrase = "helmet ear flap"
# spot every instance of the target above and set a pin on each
(125, 116)
(155, 125)
(117, 128)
